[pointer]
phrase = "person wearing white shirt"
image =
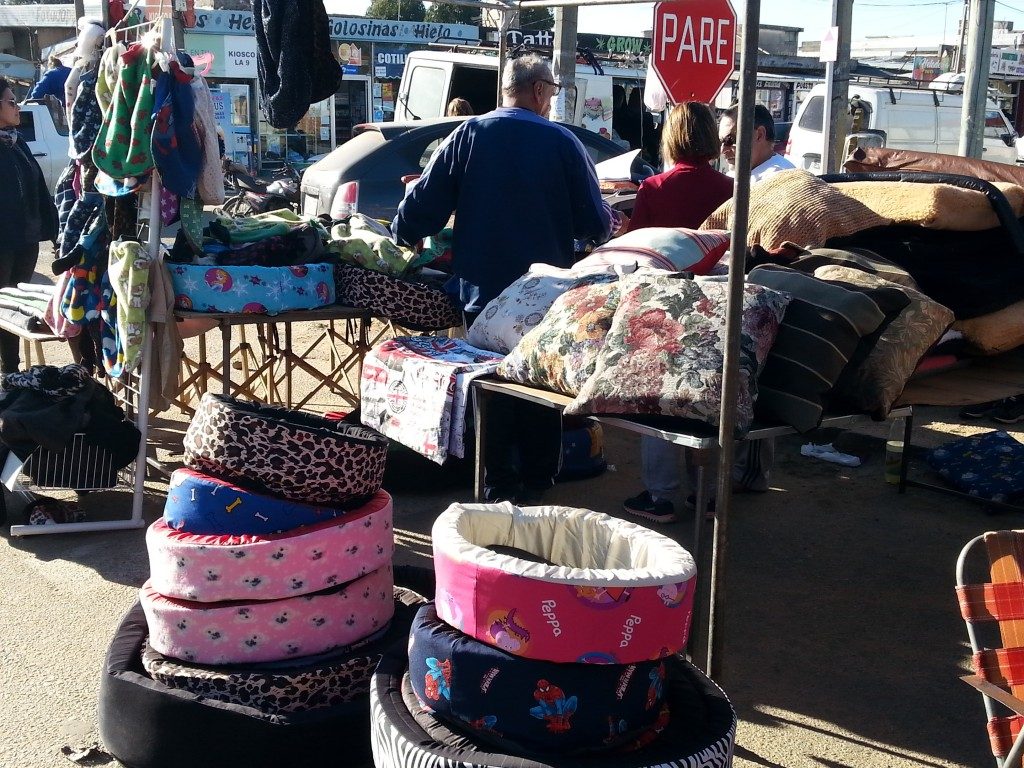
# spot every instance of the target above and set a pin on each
(763, 159)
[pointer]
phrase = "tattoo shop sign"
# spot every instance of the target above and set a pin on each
(346, 28)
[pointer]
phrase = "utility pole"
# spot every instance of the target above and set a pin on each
(178, 9)
(566, 22)
(959, 63)
(505, 17)
(837, 78)
(979, 52)
(79, 9)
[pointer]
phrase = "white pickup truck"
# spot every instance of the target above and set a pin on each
(46, 133)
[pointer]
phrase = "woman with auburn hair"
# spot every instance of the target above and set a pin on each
(689, 191)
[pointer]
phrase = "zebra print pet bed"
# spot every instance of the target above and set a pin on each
(294, 454)
(700, 731)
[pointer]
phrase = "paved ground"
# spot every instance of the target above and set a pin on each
(843, 640)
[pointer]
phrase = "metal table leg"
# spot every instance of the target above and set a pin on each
(478, 415)
(908, 432)
(225, 354)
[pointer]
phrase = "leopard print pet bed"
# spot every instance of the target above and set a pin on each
(299, 685)
(417, 306)
(294, 454)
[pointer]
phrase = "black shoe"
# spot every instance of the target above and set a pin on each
(1010, 410)
(494, 495)
(979, 411)
(646, 507)
(530, 496)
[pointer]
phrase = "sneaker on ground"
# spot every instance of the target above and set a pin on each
(979, 411)
(657, 511)
(1010, 410)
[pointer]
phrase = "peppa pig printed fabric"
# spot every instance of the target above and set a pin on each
(539, 706)
(252, 290)
(605, 592)
(244, 632)
(209, 568)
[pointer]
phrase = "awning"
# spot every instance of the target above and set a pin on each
(16, 68)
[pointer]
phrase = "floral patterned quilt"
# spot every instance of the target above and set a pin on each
(665, 351)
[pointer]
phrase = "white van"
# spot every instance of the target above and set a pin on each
(923, 120)
(433, 78)
(47, 136)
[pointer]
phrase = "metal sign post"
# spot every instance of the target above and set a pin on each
(734, 318)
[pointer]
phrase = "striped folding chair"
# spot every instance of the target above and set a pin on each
(994, 612)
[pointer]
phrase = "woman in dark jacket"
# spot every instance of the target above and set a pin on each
(27, 213)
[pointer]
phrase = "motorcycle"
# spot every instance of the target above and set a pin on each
(254, 196)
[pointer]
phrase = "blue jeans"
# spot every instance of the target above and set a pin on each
(660, 474)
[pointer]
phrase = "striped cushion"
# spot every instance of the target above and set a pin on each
(675, 249)
(855, 258)
(820, 333)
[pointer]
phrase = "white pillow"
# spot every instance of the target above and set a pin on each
(520, 307)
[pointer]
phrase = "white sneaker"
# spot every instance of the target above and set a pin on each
(828, 453)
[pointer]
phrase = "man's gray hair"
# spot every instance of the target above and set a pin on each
(522, 72)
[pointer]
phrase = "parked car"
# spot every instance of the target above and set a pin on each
(782, 137)
(46, 134)
(365, 173)
(927, 120)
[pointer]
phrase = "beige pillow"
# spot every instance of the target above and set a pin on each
(875, 384)
(799, 207)
(995, 332)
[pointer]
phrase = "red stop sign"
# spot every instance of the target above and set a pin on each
(693, 47)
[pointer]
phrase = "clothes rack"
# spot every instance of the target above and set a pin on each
(132, 390)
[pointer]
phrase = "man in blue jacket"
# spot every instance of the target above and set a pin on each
(52, 81)
(522, 188)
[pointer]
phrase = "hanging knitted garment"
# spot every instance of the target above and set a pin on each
(210, 186)
(176, 150)
(122, 148)
(124, 318)
(86, 117)
(294, 60)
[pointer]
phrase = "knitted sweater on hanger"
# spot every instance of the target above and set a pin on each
(295, 64)
(122, 148)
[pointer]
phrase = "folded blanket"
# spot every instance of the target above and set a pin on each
(415, 391)
(798, 207)
(938, 206)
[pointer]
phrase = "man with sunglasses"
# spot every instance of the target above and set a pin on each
(522, 189)
(763, 159)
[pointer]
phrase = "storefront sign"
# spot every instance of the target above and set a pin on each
(1009, 63)
(346, 28)
(601, 45)
(223, 56)
(389, 60)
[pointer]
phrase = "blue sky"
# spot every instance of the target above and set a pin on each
(870, 17)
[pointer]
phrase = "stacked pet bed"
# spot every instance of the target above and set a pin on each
(553, 637)
(271, 589)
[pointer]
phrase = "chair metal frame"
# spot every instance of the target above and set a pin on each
(990, 692)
